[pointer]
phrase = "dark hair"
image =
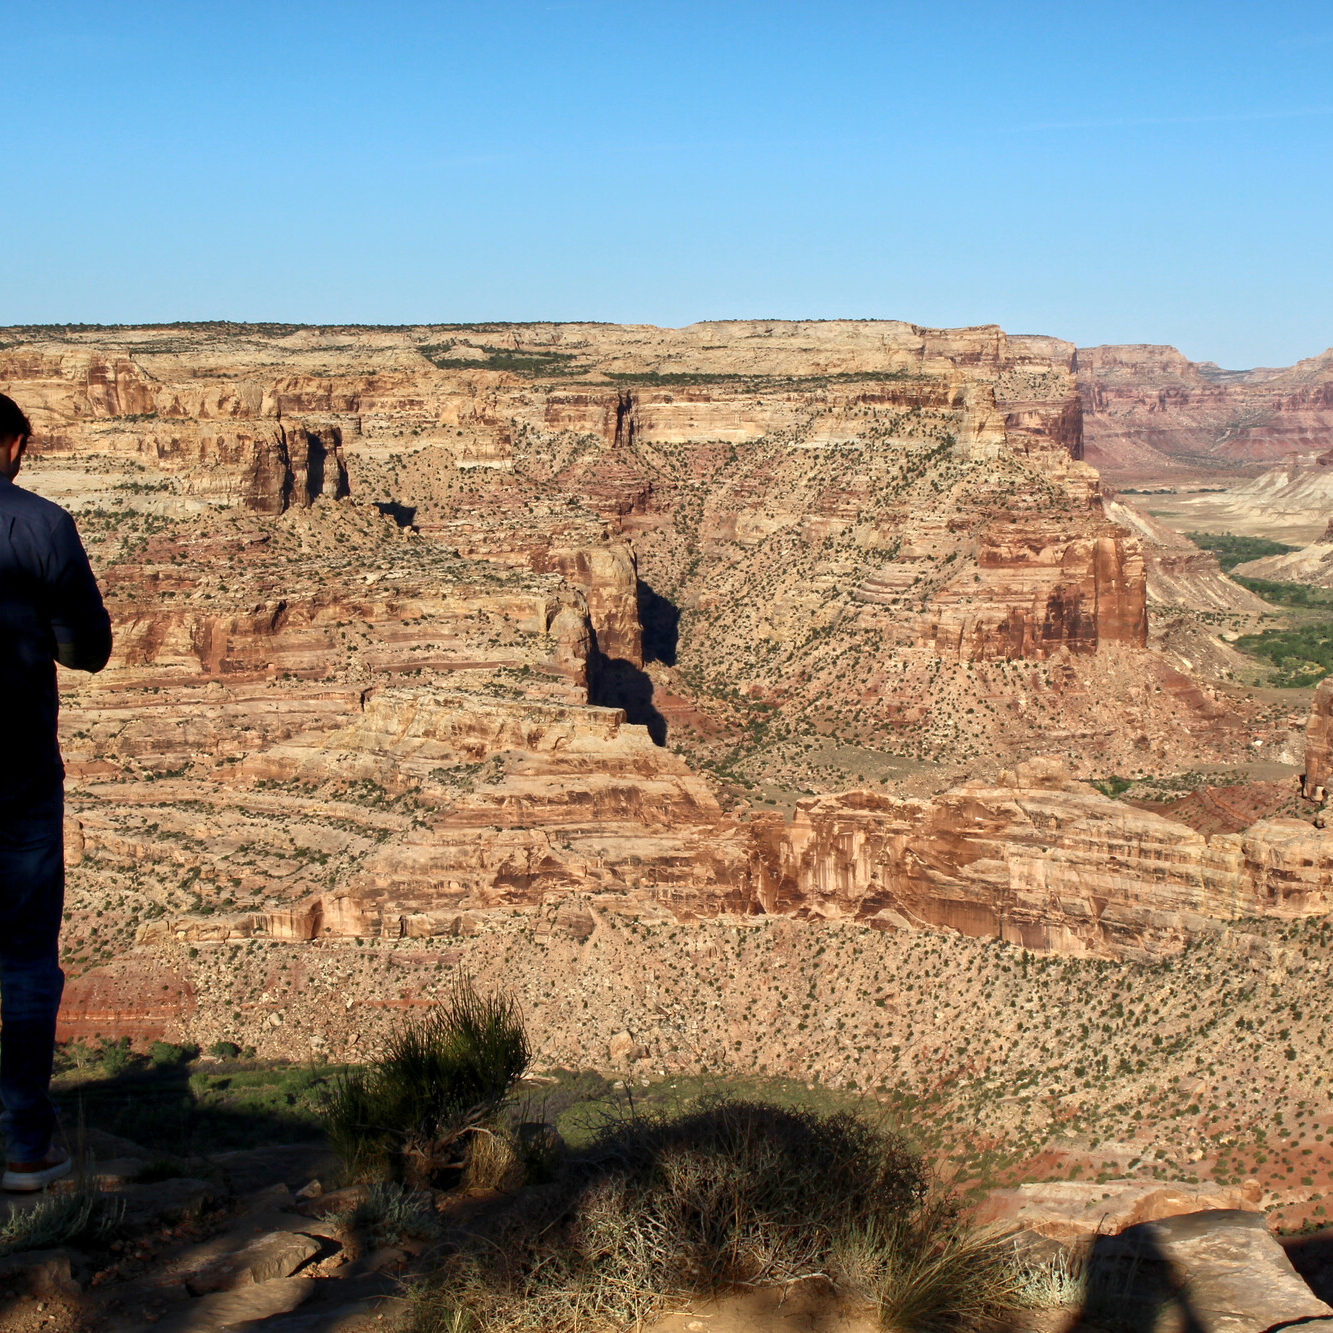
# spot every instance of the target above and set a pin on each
(12, 421)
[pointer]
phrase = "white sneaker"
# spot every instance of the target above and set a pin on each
(25, 1177)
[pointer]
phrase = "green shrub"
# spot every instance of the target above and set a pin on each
(391, 1213)
(224, 1050)
(402, 1116)
(1232, 550)
(164, 1054)
(1300, 656)
(737, 1193)
(1288, 594)
(114, 1056)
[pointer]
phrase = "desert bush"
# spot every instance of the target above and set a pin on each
(1057, 1282)
(115, 1057)
(736, 1193)
(83, 1213)
(401, 1117)
(224, 1050)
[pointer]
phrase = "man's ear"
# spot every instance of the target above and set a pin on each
(11, 454)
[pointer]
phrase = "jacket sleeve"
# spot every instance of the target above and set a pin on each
(79, 621)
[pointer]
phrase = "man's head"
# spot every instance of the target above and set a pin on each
(15, 430)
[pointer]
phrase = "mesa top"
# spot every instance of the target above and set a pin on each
(50, 608)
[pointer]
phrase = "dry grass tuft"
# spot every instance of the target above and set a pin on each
(492, 1163)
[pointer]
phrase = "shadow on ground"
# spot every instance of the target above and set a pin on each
(1311, 1256)
(404, 515)
(1132, 1288)
(167, 1142)
(191, 1109)
(616, 683)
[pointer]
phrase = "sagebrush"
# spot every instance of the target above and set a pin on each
(734, 1194)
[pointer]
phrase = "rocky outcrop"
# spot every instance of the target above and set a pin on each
(1318, 775)
(1036, 592)
(1179, 573)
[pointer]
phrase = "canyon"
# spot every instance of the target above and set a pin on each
(619, 663)
(1153, 417)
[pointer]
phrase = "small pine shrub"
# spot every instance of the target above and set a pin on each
(115, 1056)
(401, 1117)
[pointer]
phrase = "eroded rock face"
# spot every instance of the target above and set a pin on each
(1179, 573)
(1151, 413)
(1037, 593)
(1041, 862)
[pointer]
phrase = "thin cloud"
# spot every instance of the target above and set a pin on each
(1305, 39)
(1133, 122)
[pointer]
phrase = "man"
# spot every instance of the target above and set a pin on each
(50, 611)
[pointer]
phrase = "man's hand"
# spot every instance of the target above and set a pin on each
(79, 657)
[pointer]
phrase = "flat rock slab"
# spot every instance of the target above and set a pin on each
(276, 1255)
(332, 1310)
(1219, 1271)
(231, 1309)
(1071, 1210)
(354, 1317)
(169, 1200)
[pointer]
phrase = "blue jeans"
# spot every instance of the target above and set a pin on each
(32, 898)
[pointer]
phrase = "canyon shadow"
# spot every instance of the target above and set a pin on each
(660, 618)
(615, 683)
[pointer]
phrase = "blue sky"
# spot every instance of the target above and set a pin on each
(1114, 173)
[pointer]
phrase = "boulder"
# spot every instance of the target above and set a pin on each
(623, 1049)
(1217, 1271)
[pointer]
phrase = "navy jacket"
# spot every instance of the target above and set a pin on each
(50, 610)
